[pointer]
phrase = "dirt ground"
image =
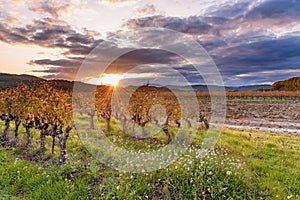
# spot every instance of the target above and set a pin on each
(273, 116)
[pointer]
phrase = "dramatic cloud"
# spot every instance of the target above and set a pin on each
(50, 33)
(248, 40)
(66, 73)
(148, 9)
(61, 62)
(275, 9)
(248, 61)
(191, 25)
(53, 33)
(135, 58)
(243, 38)
(53, 7)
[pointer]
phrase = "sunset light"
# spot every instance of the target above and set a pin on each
(150, 99)
(114, 79)
(110, 79)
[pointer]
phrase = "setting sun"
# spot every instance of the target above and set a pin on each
(114, 79)
(150, 99)
(110, 79)
(107, 79)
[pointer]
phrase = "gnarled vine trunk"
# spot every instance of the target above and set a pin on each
(43, 133)
(28, 135)
(53, 145)
(17, 125)
(7, 120)
(204, 121)
(63, 144)
(166, 131)
(42, 143)
(6, 129)
(54, 133)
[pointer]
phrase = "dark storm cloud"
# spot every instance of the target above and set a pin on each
(48, 32)
(60, 62)
(260, 62)
(59, 69)
(242, 38)
(147, 56)
(263, 55)
(211, 44)
(190, 74)
(232, 11)
(275, 9)
(249, 10)
(10, 35)
(68, 73)
(134, 58)
(82, 49)
(191, 25)
(122, 64)
(79, 38)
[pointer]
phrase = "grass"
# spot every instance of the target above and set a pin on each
(241, 166)
(273, 160)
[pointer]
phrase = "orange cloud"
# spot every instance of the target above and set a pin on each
(148, 9)
(53, 7)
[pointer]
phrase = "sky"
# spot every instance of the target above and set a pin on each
(250, 41)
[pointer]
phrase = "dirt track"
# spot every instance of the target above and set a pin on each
(274, 116)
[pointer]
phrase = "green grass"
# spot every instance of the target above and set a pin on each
(273, 160)
(260, 166)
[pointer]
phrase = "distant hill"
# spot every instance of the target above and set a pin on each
(12, 80)
(68, 85)
(252, 87)
(206, 88)
(290, 84)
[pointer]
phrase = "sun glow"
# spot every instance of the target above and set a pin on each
(113, 79)
(106, 79)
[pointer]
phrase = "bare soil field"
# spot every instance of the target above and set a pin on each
(269, 116)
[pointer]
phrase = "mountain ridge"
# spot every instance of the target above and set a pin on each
(12, 80)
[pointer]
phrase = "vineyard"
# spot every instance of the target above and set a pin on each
(40, 146)
(254, 95)
(49, 110)
(39, 107)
